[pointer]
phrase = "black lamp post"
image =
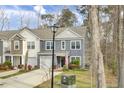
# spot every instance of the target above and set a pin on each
(54, 29)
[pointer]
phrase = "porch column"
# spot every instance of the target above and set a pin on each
(3, 58)
(12, 60)
(23, 60)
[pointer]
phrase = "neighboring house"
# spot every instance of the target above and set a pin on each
(69, 42)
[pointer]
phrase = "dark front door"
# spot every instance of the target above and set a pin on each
(62, 61)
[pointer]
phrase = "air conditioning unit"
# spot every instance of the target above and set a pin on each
(68, 79)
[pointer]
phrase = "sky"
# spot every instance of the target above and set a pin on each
(29, 12)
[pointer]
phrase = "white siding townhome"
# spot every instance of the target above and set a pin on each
(37, 43)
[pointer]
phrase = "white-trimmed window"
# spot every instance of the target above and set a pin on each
(63, 45)
(16, 45)
(31, 45)
(49, 45)
(75, 45)
(72, 58)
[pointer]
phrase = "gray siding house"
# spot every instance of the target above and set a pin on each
(69, 45)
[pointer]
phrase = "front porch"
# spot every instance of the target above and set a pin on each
(15, 59)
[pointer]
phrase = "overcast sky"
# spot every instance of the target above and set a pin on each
(13, 12)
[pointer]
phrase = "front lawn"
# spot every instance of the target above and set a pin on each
(83, 80)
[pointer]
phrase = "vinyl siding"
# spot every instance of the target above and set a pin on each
(80, 52)
(20, 51)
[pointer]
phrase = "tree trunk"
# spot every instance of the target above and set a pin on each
(120, 47)
(98, 56)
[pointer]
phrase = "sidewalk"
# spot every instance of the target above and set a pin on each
(6, 73)
(27, 80)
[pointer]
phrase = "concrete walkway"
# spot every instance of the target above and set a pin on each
(6, 73)
(27, 80)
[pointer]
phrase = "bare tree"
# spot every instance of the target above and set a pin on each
(24, 20)
(3, 19)
(98, 56)
(120, 45)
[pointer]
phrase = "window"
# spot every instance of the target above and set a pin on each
(63, 45)
(7, 58)
(16, 45)
(31, 45)
(75, 58)
(49, 45)
(75, 44)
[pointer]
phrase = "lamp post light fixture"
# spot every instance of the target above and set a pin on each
(54, 29)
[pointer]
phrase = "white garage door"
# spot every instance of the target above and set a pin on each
(32, 61)
(45, 62)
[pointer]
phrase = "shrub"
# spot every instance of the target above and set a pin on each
(36, 67)
(20, 66)
(4, 67)
(74, 64)
(29, 67)
(8, 63)
(87, 66)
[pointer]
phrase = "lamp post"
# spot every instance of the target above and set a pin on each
(54, 29)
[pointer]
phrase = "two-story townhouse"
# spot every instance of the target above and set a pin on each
(69, 44)
(15, 45)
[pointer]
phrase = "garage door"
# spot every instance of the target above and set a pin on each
(32, 61)
(45, 62)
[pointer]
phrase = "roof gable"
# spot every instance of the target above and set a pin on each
(17, 36)
(29, 31)
(68, 33)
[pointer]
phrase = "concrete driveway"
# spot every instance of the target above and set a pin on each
(27, 80)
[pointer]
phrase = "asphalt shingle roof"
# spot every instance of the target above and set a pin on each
(45, 33)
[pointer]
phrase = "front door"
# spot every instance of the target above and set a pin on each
(60, 61)
(17, 60)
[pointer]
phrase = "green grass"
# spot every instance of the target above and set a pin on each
(83, 80)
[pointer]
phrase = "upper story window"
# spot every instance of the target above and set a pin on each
(31, 45)
(63, 45)
(76, 44)
(16, 45)
(49, 45)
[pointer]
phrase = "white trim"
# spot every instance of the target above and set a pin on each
(75, 57)
(75, 44)
(63, 39)
(29, 32)
(50, 45)
(70, 30)
(84, 52)
(18, 44)
(16, 34)
(64, 45)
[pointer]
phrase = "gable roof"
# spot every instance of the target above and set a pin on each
(44, 33)
(17, 34)
(47, 33)
(7, 34)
